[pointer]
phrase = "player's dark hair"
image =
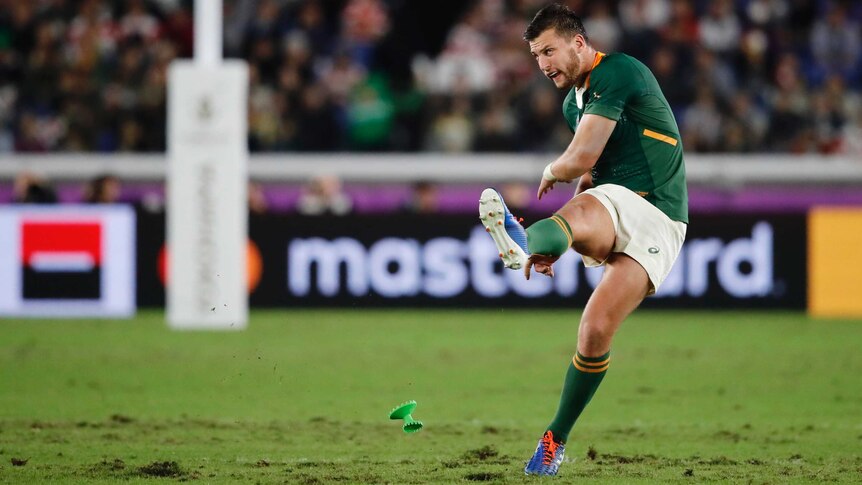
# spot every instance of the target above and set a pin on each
(557, 17)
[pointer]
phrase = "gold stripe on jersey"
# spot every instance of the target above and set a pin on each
(660, 137)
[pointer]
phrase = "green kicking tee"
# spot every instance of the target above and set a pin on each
(644, 152)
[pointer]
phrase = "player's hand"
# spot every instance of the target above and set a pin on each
(544, 187)
(541, 263)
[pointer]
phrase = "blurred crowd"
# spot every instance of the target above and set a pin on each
(741, 75)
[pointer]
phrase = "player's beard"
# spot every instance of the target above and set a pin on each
(574, 70)
(571, 72)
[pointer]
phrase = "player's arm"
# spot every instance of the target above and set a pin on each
(582, 153)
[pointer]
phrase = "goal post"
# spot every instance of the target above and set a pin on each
(207, 178)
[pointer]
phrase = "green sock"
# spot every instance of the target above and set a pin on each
(582, 379)
(549, 237)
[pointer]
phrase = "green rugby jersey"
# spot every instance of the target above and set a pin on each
(644, 152)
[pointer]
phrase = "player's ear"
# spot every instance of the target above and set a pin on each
(578, 41)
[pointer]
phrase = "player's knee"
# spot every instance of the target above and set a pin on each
(577, 218)
(595, 333)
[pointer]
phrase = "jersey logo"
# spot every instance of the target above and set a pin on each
(597, 95)
(653, 250)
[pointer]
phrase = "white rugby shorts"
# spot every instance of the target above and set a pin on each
(643, 232)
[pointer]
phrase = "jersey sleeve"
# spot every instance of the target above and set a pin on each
(610, 90)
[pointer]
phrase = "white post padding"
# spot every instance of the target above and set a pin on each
(207, 228)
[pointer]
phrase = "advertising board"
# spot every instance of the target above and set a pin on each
(67, 261)
(728, 261)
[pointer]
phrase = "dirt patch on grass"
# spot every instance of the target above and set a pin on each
(309, 480)
(114, 465)
(721, 460)
(121, 419)
(19, 461)
(480, 454)
(483, 476)
(615, 459)
(729, 435)
(626, 460)
(485, 455)
(161, 469)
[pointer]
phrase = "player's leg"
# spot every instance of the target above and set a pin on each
(622, 287)
(582, 223)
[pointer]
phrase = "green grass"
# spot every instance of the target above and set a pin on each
(303, 397)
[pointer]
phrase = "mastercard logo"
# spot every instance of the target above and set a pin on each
(254, 265)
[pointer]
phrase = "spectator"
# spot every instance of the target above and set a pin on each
(453, 131)
(786, 128)
(364, 23)
(790, 84)
(473, 86)
(497, 127)
(848, 102)
(763, 13)
(602, 27)
(748, 124)
(540, 117)
(324, 196)
(369, 115)
(701, 127)
(720, 28)
(137, 22)
(641, 20)
(311, 20)
(827, 123)
(712, 71)
(424, 199)
(104, 189)
(465, 62)
(340, 76)
(178, 29)
(836, 44)
(257, 203)
(682, 30)
(678, 87)
(518, 196)
(317, 127)
(32, 189)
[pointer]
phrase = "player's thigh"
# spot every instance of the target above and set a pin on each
(623, 286)
(592, 227)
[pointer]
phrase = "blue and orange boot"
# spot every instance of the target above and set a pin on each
(547, 458)
(506, 230)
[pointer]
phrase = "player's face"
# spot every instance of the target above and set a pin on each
(557, 57)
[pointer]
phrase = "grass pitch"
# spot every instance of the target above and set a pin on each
(303, 397)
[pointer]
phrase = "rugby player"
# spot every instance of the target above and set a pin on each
(630, 208)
